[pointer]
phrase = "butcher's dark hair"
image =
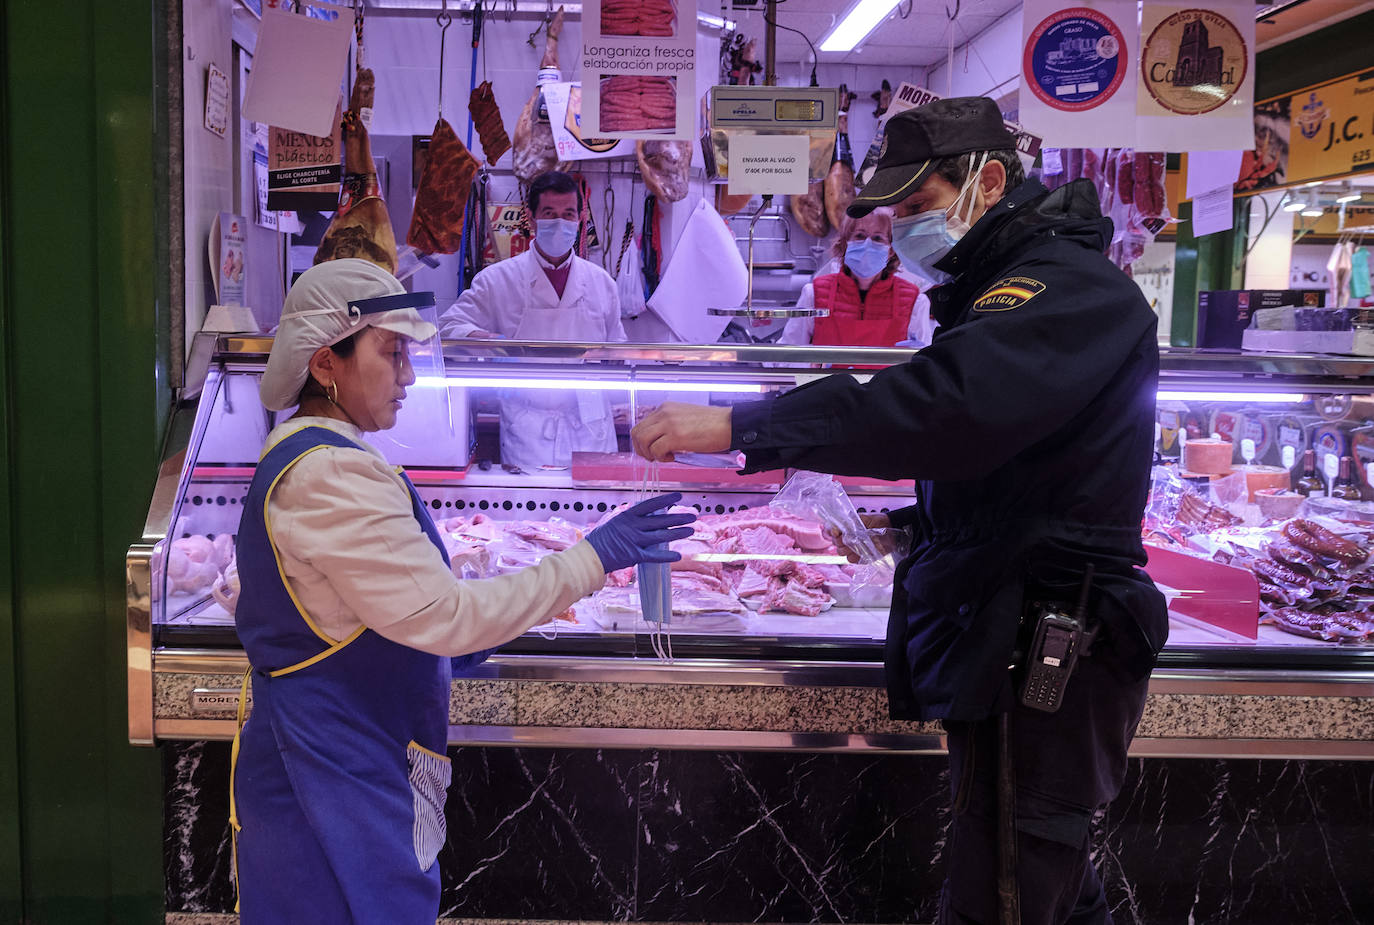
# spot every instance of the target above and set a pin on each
(555, 181)
(955, 169)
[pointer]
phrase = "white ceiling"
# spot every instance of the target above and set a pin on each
(920, 39)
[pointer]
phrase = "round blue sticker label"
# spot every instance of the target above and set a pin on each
(1075, 59)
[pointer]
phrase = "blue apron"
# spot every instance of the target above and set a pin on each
(337, 793)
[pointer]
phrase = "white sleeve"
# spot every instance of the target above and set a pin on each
(615, 327)
(349, 516)
(800, 330)
(475, 310)
(921, 329)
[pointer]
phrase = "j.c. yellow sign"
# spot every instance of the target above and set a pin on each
(1332, 129)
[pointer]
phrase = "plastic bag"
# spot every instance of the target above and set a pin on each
(819, 497)
(629, 281)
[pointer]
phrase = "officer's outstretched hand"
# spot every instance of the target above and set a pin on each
(640, 534)
(680, 427)
(879, 528)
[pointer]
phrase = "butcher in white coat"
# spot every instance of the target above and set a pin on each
(546, 293)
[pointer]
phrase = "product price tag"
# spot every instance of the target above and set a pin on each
(1290, 456)
(1247, 450)
(769, 164)
(1330, 465)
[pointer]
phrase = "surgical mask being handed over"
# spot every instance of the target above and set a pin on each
(555, 236)
(866, 258)
(921, 240)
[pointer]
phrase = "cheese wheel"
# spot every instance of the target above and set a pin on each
(1257, 477)
(1208, 456)
(1278, 503)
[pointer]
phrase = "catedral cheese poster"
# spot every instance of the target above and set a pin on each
(1197, 72)
(638, 69)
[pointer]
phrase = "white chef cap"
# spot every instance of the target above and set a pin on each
(329, 302)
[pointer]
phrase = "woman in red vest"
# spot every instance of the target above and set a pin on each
(871, 303)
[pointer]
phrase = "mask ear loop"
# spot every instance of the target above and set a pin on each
(971, 185)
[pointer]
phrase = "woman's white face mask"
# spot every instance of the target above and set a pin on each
(921, 240)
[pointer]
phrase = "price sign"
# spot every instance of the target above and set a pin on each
(1290, 456)
(1247, 450)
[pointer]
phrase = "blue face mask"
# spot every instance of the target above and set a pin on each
(555, 236)
(866, 258)
(921, 240)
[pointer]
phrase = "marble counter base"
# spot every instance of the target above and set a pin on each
(858, 711)
(600, 836)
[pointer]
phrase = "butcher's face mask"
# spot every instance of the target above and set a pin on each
(921, 240)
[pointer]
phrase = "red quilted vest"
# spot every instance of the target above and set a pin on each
(880, 320)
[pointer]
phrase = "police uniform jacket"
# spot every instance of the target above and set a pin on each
(1028, 424)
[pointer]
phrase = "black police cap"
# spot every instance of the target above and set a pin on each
(916, 139)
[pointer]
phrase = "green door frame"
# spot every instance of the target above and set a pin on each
(83, 366)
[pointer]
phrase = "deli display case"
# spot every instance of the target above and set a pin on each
(1260, 522)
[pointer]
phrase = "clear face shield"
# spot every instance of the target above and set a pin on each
(431, 427)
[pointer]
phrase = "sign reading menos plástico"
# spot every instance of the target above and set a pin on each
(1073, 59)
(1193, 61)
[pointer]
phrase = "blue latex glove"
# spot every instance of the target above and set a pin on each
(639, 535)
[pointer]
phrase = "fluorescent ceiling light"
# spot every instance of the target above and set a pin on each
(861, 19)
(589, 385)
(1349, 197)
(1313, 213)
(1296, 205)
(1267, 398)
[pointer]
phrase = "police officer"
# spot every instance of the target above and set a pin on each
(1028, 426)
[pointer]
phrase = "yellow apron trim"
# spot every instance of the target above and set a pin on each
(234, 825)
(318, 658)
(276, 554)
(428, 751)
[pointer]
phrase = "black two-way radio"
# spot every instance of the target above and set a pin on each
(1058, 641)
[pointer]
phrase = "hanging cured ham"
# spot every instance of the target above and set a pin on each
(664, 165)
(535, 152)
(362, 226)
(809, 210)
(839, 182)
(436, 225)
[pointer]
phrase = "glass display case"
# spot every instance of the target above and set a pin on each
(1263, 560)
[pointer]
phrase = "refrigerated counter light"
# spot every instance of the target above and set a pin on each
(773, 640)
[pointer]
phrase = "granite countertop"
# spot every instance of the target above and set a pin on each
(1284, 719)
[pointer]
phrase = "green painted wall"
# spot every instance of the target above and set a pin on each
(83, 366)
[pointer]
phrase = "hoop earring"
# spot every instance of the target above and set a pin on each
(334, 396)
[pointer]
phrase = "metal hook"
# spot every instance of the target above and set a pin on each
(444, 20)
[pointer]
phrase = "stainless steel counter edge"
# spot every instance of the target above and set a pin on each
(557, 702)
(801, 674)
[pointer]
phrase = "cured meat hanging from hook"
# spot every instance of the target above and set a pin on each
(361, 227)
(664, 165)
(436, 225)
(535, 151)
(809, 210)
(839, 181)
(486, 116)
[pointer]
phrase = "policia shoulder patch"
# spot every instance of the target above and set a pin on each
(1009, 293)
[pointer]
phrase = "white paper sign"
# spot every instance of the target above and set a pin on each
(775, 164)
(1210, 170)
(298, 69)
(1213, 211)
(217, 101)
(1078, 72)
(639, 69)
(1290, 456)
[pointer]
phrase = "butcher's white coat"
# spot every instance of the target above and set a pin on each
(514, 298)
